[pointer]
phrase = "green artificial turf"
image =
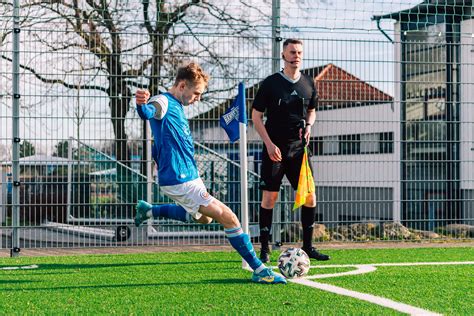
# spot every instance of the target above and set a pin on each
(214, 283)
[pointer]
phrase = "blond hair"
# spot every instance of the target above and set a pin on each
(192, 73)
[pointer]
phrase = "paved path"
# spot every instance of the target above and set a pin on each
(205, 248)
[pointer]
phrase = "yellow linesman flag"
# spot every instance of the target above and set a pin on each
(305, 182)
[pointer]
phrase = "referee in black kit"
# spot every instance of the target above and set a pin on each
(289, 100)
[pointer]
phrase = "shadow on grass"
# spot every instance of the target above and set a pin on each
(144, 285)
(16, 281)
(79, 266)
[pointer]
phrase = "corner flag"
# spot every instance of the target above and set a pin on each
(235, 114)
(234, 122)
(305, 182)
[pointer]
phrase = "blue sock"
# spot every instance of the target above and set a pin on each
(241, 242)
(172, 211)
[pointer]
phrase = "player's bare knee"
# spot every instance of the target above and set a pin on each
(268, 205)
(310, 201)
(204, 220)
(229, 218)
(269, 200)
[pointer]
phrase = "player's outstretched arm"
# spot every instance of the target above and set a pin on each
(142, 96)
(145, 111)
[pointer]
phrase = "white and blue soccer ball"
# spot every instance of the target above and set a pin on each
(293, 263)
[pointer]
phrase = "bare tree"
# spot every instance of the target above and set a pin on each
(80, 109)
(128, 53)
(6, 29)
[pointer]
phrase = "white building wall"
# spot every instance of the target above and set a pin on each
(216, 132)
(467, 105)
(3, 195)
(467, 120)
(361, 170)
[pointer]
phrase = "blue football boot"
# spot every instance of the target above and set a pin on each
(267, 276)
(142, 208)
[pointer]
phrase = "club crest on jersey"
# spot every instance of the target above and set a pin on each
(205, 195)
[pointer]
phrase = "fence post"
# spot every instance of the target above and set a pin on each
(398, 187)
(276, 36)
(15, 246)
(3, 195)
(69, 178)
(276, 55)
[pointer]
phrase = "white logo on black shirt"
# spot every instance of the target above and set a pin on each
(294, 92)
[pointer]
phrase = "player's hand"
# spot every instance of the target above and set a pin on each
(306, 135)
(274, 153)
(142, 96)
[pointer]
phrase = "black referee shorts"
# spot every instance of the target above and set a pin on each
(272, 172)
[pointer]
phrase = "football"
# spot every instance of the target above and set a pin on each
(293, 263)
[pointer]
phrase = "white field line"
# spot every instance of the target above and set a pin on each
(404, 308)
(33, 266)
(366, 268)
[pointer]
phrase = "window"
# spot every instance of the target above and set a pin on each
(330, 145)
(369, 143)
(316, 144)
(349, 144)
(386, 143)
(353, 144)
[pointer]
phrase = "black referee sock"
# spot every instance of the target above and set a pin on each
(307, 221)
(266, 217)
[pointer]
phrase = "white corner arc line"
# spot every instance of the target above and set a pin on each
(385, 302)
(33, 266)
(360, 269)
(366, 268)
(394, 264)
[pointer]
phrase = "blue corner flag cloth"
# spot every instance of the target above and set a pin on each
(234, 115)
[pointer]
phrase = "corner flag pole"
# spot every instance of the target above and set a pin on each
(243, 163)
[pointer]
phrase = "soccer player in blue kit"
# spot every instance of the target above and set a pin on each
(177, 171)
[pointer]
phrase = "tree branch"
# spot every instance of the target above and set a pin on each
(138, 72)
(57, 81)
(206, 48)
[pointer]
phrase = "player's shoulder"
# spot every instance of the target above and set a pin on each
(307, 80)
(160, 101)
(159, 98)
(275, 76)
(307, 77)
(271, 80)
(161, 104)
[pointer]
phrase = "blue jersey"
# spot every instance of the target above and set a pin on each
(173, 143)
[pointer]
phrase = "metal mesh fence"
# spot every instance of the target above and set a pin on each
(391, 147)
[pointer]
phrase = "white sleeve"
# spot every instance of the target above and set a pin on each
(160, 102)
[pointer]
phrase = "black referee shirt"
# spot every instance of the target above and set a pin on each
(286, 104)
